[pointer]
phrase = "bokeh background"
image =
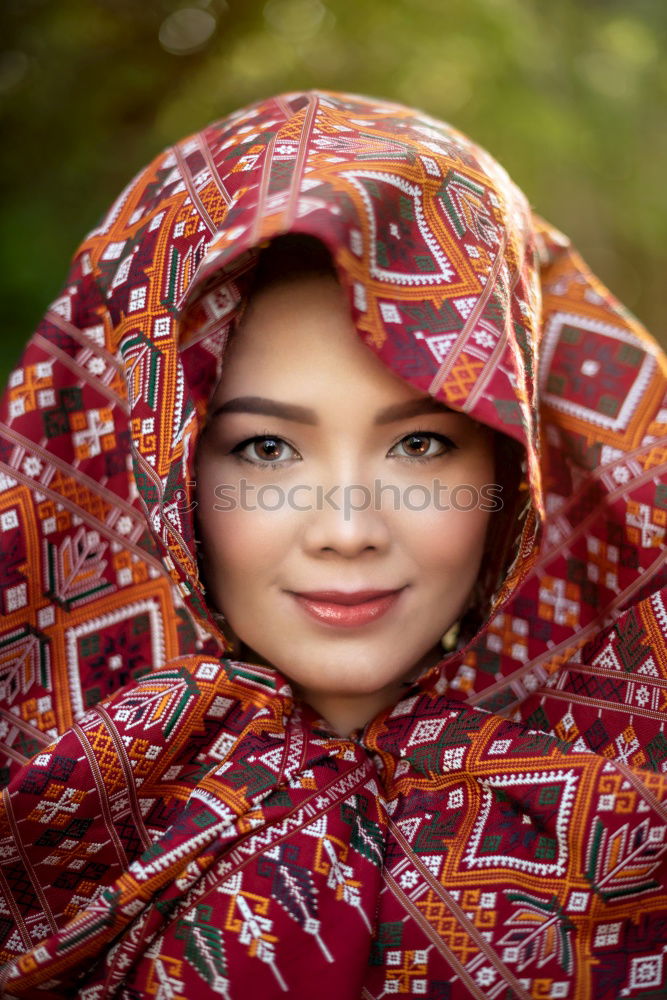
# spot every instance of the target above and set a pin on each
(569, 95)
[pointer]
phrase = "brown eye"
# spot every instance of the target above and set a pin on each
(268, 448)
(423, 446)
(265, 451)
(417, 444)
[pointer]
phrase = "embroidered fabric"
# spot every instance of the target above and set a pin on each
(173, 822)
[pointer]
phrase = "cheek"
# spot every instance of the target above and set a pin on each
(453, 541)
(242, 550)
(450, 533)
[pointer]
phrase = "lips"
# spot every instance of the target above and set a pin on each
(347, 609)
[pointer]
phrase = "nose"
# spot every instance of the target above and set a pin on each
(346, 522)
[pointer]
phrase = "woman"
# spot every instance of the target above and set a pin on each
(336, 806)
(391, 502)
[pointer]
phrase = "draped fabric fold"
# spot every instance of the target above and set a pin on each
(175, 823)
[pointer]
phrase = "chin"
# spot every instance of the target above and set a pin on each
(362, 681)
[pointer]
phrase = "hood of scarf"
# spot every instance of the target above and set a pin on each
(206, 765)
(451, 280)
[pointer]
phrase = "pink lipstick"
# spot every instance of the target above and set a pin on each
(347, 610)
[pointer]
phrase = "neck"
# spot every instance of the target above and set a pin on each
(347, 713)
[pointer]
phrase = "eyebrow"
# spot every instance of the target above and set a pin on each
(304, 415)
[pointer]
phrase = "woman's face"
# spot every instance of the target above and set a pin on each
(335, 541)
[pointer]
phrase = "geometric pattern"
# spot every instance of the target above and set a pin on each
(554, 789)
(174, 822)
(587, 362)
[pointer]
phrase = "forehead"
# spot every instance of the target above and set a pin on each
(297, 338)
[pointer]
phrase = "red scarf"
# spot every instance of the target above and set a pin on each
(199, 833)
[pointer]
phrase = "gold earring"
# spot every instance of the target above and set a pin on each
(230, 636)
(450, 639)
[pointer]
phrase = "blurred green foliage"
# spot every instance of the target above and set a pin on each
(568, 95)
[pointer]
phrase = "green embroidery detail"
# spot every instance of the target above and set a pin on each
(389, 937)
(546, 848)
(203, 947)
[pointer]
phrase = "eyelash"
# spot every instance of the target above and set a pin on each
(238, 449)
(442, 438)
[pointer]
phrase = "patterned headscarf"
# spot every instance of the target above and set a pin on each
(174, 823)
